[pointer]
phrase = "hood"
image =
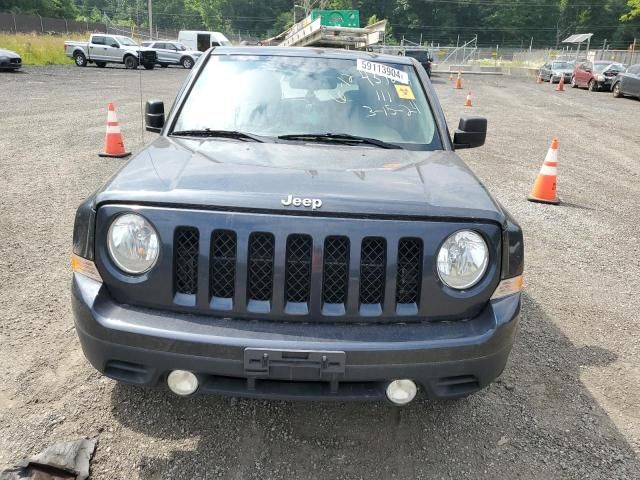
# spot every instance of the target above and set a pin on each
(8, 53)
(348, 180)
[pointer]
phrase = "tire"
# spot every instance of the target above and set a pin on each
(593, 86)
(80, 59)
(148, 66)
(616, 91)
(130, 62)
(573, 82)
(101, 64)
(187, 62)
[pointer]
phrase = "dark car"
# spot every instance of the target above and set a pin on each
(627, 83)
(555, 70)
(424, 57)
(9, 60)
(595, 75)
(301, 228)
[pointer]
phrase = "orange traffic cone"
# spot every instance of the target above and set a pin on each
(113, 144)
(544, 189)
(560, 87)
(458, 85)
(467, 102)
(539, 79)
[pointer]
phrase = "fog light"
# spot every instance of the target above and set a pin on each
(182, 382)
(401, 392)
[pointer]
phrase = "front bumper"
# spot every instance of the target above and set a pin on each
(141, 346)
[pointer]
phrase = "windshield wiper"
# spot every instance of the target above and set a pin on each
(218, 133)
(339, 137)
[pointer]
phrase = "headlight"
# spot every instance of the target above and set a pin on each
(600, 78)
(463, 259)
(133, 244)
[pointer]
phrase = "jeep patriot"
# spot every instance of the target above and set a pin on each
(302, 228)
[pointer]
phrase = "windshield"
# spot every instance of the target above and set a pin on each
(127, 41)
(561, 65)
(272, 96)
(615, 67)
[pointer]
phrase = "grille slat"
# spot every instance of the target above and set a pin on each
(223, 264)
(187, 245)
(372, 270)
(409, 273)
(260, 265)
(336, 270)
(298, 269)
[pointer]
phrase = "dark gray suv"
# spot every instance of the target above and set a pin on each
(301, 228)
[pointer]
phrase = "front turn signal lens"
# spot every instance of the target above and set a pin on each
(85, 267)
(508, 287)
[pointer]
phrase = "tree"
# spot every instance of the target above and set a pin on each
(634, 5)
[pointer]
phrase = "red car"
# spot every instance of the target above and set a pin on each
(595, 75)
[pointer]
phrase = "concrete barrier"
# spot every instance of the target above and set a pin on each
(488, 70)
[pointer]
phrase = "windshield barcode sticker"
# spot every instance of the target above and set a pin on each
(383, 71)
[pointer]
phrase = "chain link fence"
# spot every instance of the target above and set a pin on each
(18, 23)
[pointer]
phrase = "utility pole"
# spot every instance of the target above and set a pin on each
(150, 21)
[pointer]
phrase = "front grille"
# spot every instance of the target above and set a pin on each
(298, 271)
(372, 270)
(187, 245)
(149, 56)
(266, 275)
(260, 266)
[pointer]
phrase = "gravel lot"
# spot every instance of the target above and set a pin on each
(567, 406)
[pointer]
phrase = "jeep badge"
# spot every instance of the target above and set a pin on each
(314, 203)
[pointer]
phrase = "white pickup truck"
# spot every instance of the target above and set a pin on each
(102, 49)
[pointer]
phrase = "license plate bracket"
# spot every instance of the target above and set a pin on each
(293, 364)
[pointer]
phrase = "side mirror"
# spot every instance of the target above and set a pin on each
(154, 115)
(115, 45)
(471, 132)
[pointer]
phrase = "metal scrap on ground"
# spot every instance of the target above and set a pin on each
(61, 461)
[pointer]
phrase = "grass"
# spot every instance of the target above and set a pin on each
(39, 49)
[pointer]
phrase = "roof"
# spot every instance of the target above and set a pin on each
(578, 38)
(312, 52)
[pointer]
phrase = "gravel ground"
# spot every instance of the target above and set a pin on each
(567, 406)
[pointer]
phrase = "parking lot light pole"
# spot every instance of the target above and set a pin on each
(294, 11)
(150, 21)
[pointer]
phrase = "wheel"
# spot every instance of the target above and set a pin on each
(149, 66)
(80, 59)
(131, 62)
(616, 90)
(593, 86)
(573, 82)
(187, 62)
(101, 64)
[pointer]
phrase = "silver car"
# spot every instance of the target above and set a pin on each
(173, 53)
(9, 60)
(555, 70)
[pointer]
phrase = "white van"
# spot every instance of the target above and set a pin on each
(201, 40)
